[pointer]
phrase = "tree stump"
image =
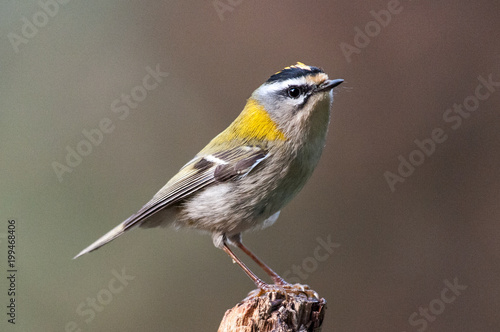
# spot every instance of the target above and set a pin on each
(297, 308)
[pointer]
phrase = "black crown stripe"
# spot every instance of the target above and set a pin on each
(293, 72)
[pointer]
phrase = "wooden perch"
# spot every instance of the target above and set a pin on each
(299, 309)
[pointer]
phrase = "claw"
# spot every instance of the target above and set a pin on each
(296, 289)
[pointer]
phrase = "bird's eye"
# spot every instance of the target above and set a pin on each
(294, 92)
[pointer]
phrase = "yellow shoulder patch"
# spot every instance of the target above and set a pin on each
(252, 123)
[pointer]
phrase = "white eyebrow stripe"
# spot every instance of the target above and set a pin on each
(278, 86)
(215, 160)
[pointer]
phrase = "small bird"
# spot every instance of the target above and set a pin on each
(243, 178)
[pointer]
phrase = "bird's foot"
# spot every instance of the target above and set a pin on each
(286, 288)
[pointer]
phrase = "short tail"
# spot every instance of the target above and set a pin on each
(133, 220)
(142, 218)
(109, 236)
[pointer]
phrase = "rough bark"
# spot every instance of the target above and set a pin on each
(297, 310)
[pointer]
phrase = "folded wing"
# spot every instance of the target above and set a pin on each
(201, 171)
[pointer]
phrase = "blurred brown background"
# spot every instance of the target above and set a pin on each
(421, 258)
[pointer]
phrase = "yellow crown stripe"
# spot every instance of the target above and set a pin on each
(253, 123)
(297, 65)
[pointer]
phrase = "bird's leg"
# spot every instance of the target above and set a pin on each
(280, 282)
(258, 282)
(276, 278)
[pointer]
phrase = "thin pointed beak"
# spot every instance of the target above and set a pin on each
(328, 85)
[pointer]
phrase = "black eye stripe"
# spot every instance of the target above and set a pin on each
(295, 91)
